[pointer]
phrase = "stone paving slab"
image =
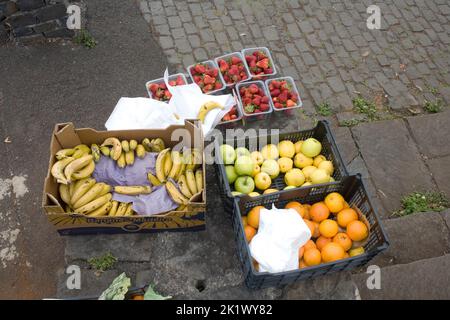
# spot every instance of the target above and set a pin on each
(440, 168)
(424, 279)
(393, 161)
(432, 133)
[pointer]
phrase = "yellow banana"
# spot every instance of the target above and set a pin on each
(95, 150)
(64, 193)
(132, 190)
(80, 189)
(125, 146)
(175, 194)
(76, 165)
(133, 145)
(153, 180)
(147, 145)
(90, 195)
(196, 159)
(102, 211)
(105, 151)
(182, 183)
(106, 189)
(81, 150)
(157, 145)
(199, 179)
(129, 157)
(129, 210)
(168, 163)
(181, 207)
(64, 153)
(206, 108)
(85, 172)
(121, 162)
(181, 172)
(95, 204)
(116, 150)
(58, 168)
(190, 178)
(121, 209)
(159, 167)
(140, 151)
(113, 210)
(71, 189)
(176, 164)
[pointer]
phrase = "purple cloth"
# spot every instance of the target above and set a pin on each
(107, 171)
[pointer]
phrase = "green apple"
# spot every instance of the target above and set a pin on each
(257, 157)
(244, 184)
(271, 167)
(231, 174)
(242, 152)
(262, 181)
(294, 177)
(311, 147)
(244, 166)
(228, 154)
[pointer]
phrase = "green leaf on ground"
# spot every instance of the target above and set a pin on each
(423, 202)
(103, 263)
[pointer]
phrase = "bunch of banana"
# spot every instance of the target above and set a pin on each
(70, 168)
(122, 151)
(191, 183)
(120, 209)
(206, 108)
(154, 145)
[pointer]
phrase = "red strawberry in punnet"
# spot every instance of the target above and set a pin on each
(153, 87)
(208, 80)
(235, 60)
(199, 68)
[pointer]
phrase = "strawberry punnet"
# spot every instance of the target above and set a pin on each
(259, 63)
(233, 70)
(282, 94)
(206, 77)
(231, 115)
(254, 99)
(159, 90)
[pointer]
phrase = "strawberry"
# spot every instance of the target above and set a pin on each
(247, 101)
(180, 81)
(253, 88)
(197, 79)
(264, 107)
(199, 68)
(265, 99)
(256, 100)
(172, 83)
(268, 71)
(162, 85)
(233, 71)
(235, 60)
(153, 87)
(218, 85)
(167, 95)
(282, 97)
(208, 88)
(208, 80)
(263, 64)
(290, 103)
(276, 84)
(278, 105)
(233, 116)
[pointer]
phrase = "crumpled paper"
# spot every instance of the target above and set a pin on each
(280, 235)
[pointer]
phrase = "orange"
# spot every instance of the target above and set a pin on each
(328, 228)
(344, 217)
(335, 202)
(346, 205)
(311, 226)
(346, 255)
(249, 232)
(301, 251)
(253, 217)
(343, 240)
(332, 252)
(296, 206)
(244, 221)
(319, 212)
(309, 245)
(321, 242)
(312, 257)
(316, 233)
(357, 230)
(302, 264)
(138, 297)
(307, 208)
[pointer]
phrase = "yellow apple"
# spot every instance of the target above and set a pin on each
(254, 194)
(319, 176)
(286, 149)
(294, 177)
(301, 161)
(307, 183)
(307, 171)
(257, 157)
(327, 166)
(285, 164)
(318, 160)
(271, 167)
(270, 191)
(270, 152)
(298, 146)
(262, 181)
(256, 170)
(311, 147)
(289, 187)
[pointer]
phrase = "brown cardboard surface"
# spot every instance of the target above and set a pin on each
(65, 135)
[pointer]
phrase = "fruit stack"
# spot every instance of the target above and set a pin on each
(206, 75)
(297, 164)
(157, 89)
(254, 99)
(337, 230)
(232, 68)
(284, 94)
(259, 62)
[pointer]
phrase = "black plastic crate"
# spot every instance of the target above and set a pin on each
(352, 189)
(321, 132)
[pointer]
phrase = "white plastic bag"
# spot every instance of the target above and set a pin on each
(144, 113)
(280, 235)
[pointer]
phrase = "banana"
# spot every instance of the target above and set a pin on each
(159, 167)
(196, 159)
(181, 172)
(105, 151)
(90, 195)
(81, 150)
(132, 190)
(113, 210)
(129, 157)
(68, 209)
(76, 165)
(153, 180)
(121, 162)
(64, 193)
(182, 183)
(175, 194)
(106, 189)
(206, 108)
(157, 145)
(190, 178)
(95, 150)
(71, 189)
(133, 144)
(64, 153)
(181, 207)
(121, 209)
(116, 150)
(176, 164)
(80, 189)
(125, 146)
(102, 211)
(140, 151)
(129, 210)
(58, 168)
(199, 179)
(85, 172)
(168, 163)
(95, 204)
(147, 144)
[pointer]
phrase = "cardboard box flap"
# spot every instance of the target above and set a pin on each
(66, 135)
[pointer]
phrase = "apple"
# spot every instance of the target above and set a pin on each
(271, 167)
(228, 154)
(298, 146)
(318, 159)
(327, 166)
(307, 183)
(301, 161)
(285, 164)
(320, 176)
(236, 193)
(254, 194)
(289, 187)
(242, 152)
(270, 152)
(231, 174)
(257, 157)
(270, 191)
(307, 171)
(244, 166)
(286, 149)
(244, 184)
(256, 170)
(262, 181)
(311, 147)
(294, 177)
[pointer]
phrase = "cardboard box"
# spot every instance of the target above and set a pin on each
(66, 136)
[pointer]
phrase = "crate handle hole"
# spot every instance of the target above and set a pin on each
(200, 285)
